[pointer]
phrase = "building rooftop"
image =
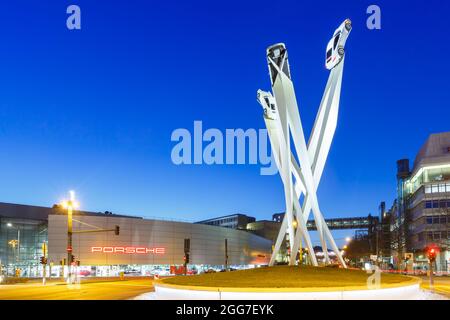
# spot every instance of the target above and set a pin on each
(20, 211)
(227, 216)
(435, 151)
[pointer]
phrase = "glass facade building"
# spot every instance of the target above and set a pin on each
(21, 242)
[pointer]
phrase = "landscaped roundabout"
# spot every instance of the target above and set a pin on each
(289, 282)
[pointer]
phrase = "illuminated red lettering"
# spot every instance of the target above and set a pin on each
(140, 250)
(129, 250)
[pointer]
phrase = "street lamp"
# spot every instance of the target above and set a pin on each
(348, 239)
(70, 205)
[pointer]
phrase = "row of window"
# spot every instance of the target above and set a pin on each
(438, 220)
(221, 221)
(434, 235)
(435, 204)
(436, 188)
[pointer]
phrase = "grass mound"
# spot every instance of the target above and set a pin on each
(285, 277)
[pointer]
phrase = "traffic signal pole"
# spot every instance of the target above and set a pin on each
(187, 251)
(69, 241)
(44, 265)
(432, 252)
(226, 254)
(431, 275)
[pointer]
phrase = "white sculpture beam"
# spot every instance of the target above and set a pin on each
(282, 118)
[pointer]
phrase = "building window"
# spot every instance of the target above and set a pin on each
(429, 220)
(442, 204)
(435, 188)
(435, 220)
(443, 220)
(428, 205)
(435, 204)
(421, 236)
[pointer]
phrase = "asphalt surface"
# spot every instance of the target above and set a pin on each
(89, 290)
(441, 285)
(124, 289)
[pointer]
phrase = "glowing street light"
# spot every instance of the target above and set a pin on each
(348, 239)
(345, 247)
(70, 205)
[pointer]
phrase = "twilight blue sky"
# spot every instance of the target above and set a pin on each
(93, 110)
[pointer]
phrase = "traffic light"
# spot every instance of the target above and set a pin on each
(431, 253)
(186, 258)
(43, 260)
(117, 230)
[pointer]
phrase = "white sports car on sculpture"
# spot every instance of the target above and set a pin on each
(335, 47)
(268, 103)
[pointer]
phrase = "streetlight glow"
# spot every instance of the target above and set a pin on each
(72, 203)
(348, 239)
(9, 224)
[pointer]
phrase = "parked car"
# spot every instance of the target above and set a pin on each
(210, 271)
(132, 272)
(84, 273)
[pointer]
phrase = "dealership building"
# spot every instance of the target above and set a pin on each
(142, 247)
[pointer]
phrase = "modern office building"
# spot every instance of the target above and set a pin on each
(142, 247)
(234, 221)
(422, 215)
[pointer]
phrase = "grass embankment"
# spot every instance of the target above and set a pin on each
(285, 277)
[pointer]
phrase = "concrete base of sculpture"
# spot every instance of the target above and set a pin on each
(405, 291)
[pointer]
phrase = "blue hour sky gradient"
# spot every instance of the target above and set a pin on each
(93, 110)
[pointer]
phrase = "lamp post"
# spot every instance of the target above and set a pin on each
(69, 205)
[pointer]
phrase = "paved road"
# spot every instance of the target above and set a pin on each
(441, 285)
(121, 290)
(105, 290)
